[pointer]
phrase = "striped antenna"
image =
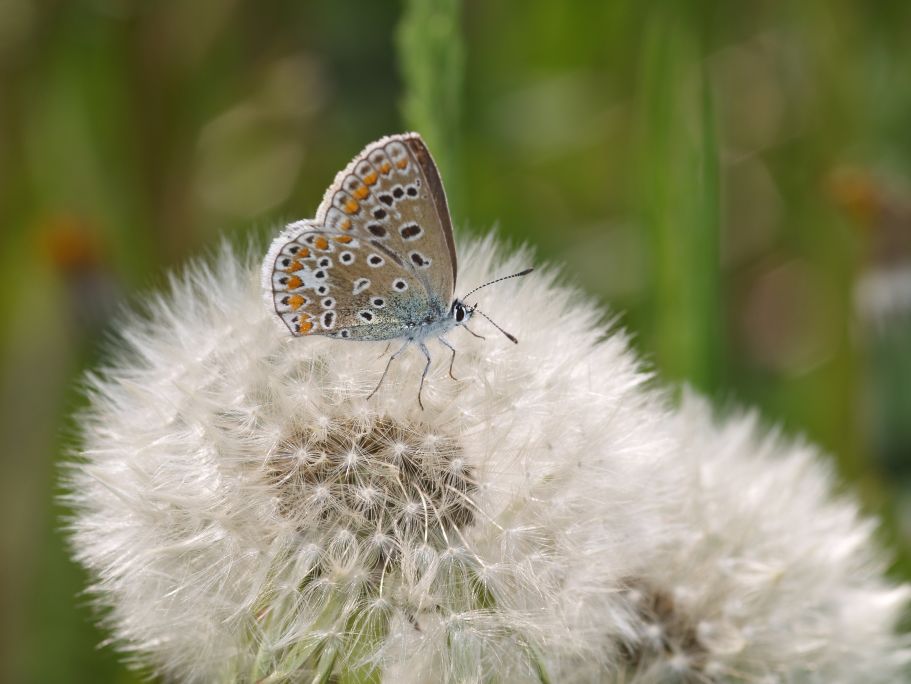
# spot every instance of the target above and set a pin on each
(514, 275)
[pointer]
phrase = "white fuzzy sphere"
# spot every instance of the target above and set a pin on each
(247, 515)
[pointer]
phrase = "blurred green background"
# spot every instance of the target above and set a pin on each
(733, 178)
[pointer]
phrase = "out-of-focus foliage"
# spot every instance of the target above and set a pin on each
(734, 178)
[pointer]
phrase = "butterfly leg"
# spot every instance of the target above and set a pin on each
(480, 337)
(386, 370)
(388, 344)
(452, 360)
(426, 352)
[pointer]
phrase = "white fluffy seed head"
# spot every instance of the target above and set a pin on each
(247, 514)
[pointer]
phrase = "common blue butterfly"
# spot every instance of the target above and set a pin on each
(378, 261)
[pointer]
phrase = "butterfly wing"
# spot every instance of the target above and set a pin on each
(391, 197)
(379, 253)
(326, 282)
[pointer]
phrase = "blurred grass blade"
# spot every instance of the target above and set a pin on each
(431, 59)
(679, 205)
(706, 231)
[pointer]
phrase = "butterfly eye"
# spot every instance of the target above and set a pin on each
(459, 314)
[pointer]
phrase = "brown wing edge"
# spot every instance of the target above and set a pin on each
(416, 144)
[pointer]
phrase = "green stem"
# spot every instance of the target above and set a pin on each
(680, 206)
(431, 59)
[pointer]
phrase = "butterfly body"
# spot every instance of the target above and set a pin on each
(378, 260)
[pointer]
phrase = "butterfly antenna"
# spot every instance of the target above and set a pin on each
(514, 275)
(512, 338)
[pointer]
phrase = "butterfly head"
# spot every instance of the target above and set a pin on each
(460, 312)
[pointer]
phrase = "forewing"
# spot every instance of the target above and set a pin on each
(391, 198)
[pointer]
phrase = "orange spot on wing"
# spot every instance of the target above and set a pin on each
(304, 327)
(304, 253)
(385, 168)
(351, 207)
(344, 239)
(294, 282)
(294, 266)
(296, 301)
(402, 163)
(370, 178)
(361, 192)
(345, 225)
(320, 242)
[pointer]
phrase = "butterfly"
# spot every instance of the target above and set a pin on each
(378, 261)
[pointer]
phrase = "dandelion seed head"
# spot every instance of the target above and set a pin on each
(247, 514)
